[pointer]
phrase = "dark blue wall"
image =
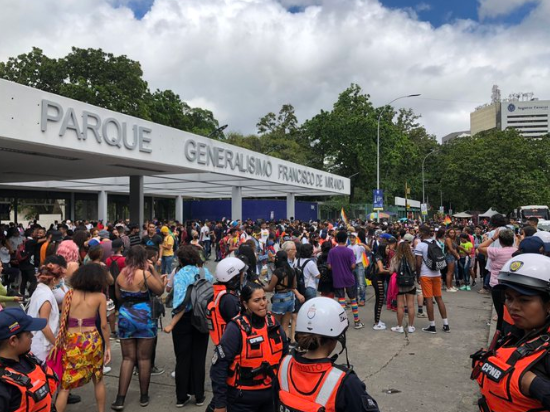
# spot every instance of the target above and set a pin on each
(252, 209)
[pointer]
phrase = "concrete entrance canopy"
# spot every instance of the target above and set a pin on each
(54, 143)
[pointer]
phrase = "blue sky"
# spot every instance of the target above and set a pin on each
(439, 12)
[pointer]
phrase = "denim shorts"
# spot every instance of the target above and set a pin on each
(449, 258)
(287, 306)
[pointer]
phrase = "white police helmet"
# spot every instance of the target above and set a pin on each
(228, 268)
(528, 273)
(322, 316)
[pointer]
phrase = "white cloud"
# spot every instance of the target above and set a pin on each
(245, 58)
(496, 8)
(423, 7)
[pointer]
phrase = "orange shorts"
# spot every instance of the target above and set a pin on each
(431, 287)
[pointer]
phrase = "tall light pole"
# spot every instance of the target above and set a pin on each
(423, 161)
(378, 138)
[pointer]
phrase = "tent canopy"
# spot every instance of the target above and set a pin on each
(462, 215)
(489, 213)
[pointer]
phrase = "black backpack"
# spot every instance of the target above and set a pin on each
(300, 280)
(200, 293)
(371, 268)
(436, 257)
(325, 274)
(405, 274)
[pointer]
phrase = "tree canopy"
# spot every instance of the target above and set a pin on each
(501, 169)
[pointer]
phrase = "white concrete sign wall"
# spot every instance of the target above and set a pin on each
(37, 117)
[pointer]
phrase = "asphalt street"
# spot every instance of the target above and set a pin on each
(403, 372)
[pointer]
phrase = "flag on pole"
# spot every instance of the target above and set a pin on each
(447, 221)
(343, 216)
(365, 260)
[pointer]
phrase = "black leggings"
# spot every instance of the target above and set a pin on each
(28, 275)
(378, 285)
(135, 351)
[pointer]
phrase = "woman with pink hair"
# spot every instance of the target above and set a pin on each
(69, 251)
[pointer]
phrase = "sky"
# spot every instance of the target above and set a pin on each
(245, 58)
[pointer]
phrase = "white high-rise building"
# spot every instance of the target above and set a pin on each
(529, 118)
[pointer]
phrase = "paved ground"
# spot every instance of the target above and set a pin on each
(418, 372)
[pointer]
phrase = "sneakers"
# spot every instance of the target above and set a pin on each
(182, 403)
(200, 402)
(72, 399)
(156, 371)
(429, 329)
(411, 329)
(379, 326)
(463, 287)
(421, 315)
(359, 325)
(144, 400)
(468, 287)
(398, 329)
(452, 289)
(106, 369)
(446, 329)
(483, 292)
(361, 303)
(118, 405)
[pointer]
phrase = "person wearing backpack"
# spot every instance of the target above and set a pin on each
(190, 344)
(310, 272)
(403, 266)
(428, 264)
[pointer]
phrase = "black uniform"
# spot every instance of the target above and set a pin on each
(228, 397)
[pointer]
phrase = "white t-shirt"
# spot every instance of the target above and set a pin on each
(5, 255)
(358, 252)
(40, 346)
(205, 233)
(422, 250)
(310, 272)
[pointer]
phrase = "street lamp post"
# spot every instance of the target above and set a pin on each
(378, 137)
(423, 161)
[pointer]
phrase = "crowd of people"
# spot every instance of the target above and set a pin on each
(278, 299)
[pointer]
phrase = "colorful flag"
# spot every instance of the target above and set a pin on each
(365, 260)
(343, 216)
(447, 221)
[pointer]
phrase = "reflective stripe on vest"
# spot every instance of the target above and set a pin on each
(328, 386)
(284, 372)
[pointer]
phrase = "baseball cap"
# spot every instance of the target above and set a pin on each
(104, 234)
(408, 238)
(15, 320)
(164, 229)
(531, 244)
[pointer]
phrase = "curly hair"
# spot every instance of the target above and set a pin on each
(89, 278)
(69, 250)
(189, 256)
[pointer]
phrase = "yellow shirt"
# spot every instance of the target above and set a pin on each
(168, 246)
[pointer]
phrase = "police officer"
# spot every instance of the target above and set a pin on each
(26, 385)
(244, 365)
(310, 381)
(225, 304)
(514, 372)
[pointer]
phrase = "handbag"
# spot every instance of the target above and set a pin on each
(55, 357)
(157, 307)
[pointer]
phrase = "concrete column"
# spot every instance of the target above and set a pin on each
(72, 208)
(236, 203)
(102, 206)
(179, 209)
(290, 205)
(136, 200)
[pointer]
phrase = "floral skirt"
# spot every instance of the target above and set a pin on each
(83, 359)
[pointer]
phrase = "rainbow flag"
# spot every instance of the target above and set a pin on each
(343, 216)
(365, 260)
(447, 221)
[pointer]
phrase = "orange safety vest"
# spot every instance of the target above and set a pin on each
(261, 351)
(499, 376)
(37, 387)
(308, 387)
(216, 323)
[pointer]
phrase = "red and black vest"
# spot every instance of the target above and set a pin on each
(308, 387)
(216, 322)
(37, 387)
(262, 349)
(499, 375)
